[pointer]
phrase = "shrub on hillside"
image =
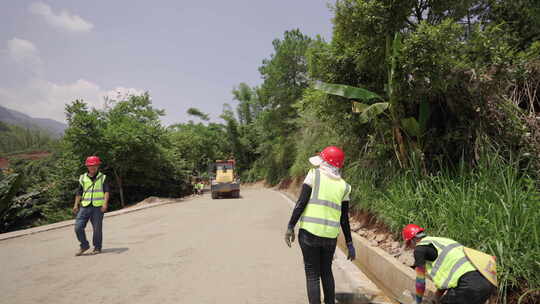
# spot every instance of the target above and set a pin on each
(492, 207)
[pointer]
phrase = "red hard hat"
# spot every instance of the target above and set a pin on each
(410, 231)
(333, 155)
(92, 161)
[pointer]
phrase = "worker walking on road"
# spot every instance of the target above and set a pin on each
(451, 267)
(323, 206)
(93, 196)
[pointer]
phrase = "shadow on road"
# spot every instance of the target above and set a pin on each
(107, 250)
(229, 198)
(114, 250)
(352, 298)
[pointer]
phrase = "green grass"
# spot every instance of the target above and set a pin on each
(492, 207)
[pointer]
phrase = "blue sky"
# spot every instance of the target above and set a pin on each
(185, 53)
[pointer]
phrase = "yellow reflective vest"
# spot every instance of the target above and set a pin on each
(451, 262)
(92, 191)
(323, 211)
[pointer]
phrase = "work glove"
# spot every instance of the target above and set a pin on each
(351, 252)
(289, 236)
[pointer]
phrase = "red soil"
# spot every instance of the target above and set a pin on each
(32, 155)
(4, 161)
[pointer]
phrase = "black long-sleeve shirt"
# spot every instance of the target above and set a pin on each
(424, 253)
(302, 202)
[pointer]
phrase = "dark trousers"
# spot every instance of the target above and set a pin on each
(95, 216)
(318, 253)
(472, 288)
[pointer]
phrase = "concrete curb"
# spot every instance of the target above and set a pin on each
(63, 224)
(390, 275)
(394, 278)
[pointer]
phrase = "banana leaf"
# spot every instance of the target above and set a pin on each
(358, 107)
(411, 126)
(346, 91)
(9, 186)
(393, 48)
(373, 111)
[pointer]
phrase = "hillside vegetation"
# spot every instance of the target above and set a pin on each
(436, 105)
(140, 156)
(434, 102)
(52, 127)
(18, 139)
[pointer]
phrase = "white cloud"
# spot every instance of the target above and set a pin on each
(24, 53)
(44, 99)
(63, 20)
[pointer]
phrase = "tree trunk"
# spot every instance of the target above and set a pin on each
(119, 183)
(418, 154)
(401, 153)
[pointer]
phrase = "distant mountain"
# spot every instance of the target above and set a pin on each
(13, 117)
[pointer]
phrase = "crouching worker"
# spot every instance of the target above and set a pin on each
(462, 275)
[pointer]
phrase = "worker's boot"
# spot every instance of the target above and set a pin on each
(96, 251)
(81, 251)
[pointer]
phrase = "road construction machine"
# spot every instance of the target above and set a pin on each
(224, 183)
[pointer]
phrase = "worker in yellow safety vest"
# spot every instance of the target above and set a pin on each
(200, 187)
(323, 206)
(93, 196)
(461, 275)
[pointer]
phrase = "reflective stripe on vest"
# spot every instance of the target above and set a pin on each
(323, 211)
(92, 191)
(451, 262)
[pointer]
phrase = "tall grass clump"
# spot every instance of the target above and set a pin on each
(493, 207)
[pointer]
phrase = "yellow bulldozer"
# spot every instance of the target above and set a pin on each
(225, 182)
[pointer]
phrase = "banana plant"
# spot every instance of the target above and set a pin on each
(371, 105)
(367, 111)
(9, 186)
(417, 128)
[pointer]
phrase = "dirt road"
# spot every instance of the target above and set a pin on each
(196, 251)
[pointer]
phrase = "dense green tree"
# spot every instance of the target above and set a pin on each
(197, 113)
(246, 107)
(284, 77)
(521, 18)
(132, 143)
(197, 146)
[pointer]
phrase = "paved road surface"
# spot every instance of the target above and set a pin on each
(195, 251)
